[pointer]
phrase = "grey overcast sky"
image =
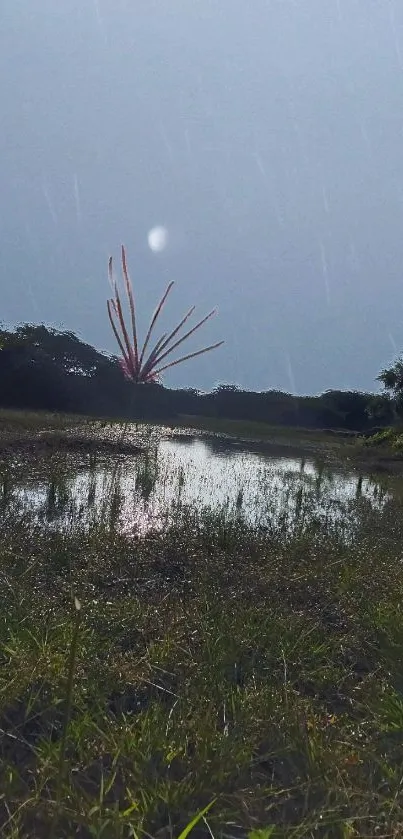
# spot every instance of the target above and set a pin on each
(265, 135)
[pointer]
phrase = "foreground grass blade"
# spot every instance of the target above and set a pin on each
(189, 827)
(69, 702)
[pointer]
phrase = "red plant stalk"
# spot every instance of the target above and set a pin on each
(133, 363)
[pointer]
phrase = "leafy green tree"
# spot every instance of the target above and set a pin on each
(392, 380)
(350, 407)
(62, 348)
(48, 369)
(381, 410)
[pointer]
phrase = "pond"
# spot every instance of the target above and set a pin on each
(185, 474)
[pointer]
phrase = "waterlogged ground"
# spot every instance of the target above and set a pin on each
(145, 492)
(238, 645)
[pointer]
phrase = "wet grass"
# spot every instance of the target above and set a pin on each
(67, 441)
(256, 668)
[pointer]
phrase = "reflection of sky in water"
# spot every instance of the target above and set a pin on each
(147, 489)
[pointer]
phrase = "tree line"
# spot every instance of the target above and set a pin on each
(48, 369)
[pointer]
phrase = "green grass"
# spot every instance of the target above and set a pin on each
(391, 438)
(222, 678)
(210, 664)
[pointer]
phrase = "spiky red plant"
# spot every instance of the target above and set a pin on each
(136, 365)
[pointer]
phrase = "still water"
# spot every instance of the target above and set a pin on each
(174, 474)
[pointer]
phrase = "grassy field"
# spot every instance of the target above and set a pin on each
(259, 672)
(251, 430)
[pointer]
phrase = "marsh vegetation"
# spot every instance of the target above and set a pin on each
(238, 642)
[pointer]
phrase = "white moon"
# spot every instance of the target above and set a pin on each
(158, 238)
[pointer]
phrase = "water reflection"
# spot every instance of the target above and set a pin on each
(147, 473)
(142, 493)
(57, 497)
(6, 489)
